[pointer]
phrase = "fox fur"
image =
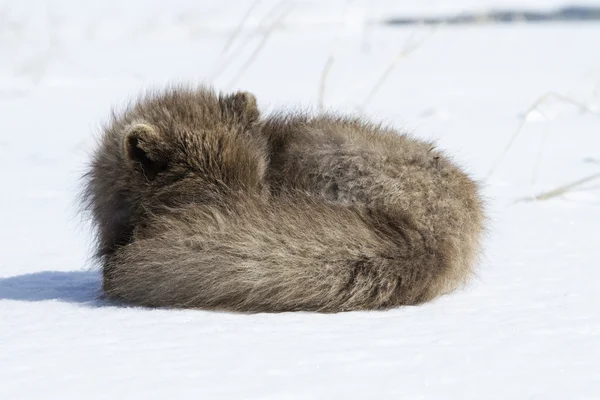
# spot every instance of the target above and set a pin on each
(199, 202)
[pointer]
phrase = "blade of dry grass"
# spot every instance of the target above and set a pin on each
(239, 49)
(323, 84)
(250, 60)
(410, 47)
(329, 63)
(239, 26)
(560, 190)
(534, 107)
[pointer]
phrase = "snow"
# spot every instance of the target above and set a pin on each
(528, 327)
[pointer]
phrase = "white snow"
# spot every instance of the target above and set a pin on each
(528, 327)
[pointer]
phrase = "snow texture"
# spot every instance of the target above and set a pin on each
(517, 104)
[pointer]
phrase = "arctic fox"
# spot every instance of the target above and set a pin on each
(199, 202)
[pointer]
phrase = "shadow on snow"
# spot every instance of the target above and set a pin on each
(83, 287)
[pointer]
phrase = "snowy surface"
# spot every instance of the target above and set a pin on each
(527, 328)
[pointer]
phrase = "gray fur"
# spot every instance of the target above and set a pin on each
(200, 203)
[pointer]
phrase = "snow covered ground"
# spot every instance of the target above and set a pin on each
(518, 105)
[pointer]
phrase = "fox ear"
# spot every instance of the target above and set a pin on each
(142, 145)
(243, 107)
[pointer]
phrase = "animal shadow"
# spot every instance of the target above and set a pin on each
(82, 287)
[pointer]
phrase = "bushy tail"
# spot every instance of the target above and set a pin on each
(284, 255)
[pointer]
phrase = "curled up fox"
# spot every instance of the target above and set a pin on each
(200, 202)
